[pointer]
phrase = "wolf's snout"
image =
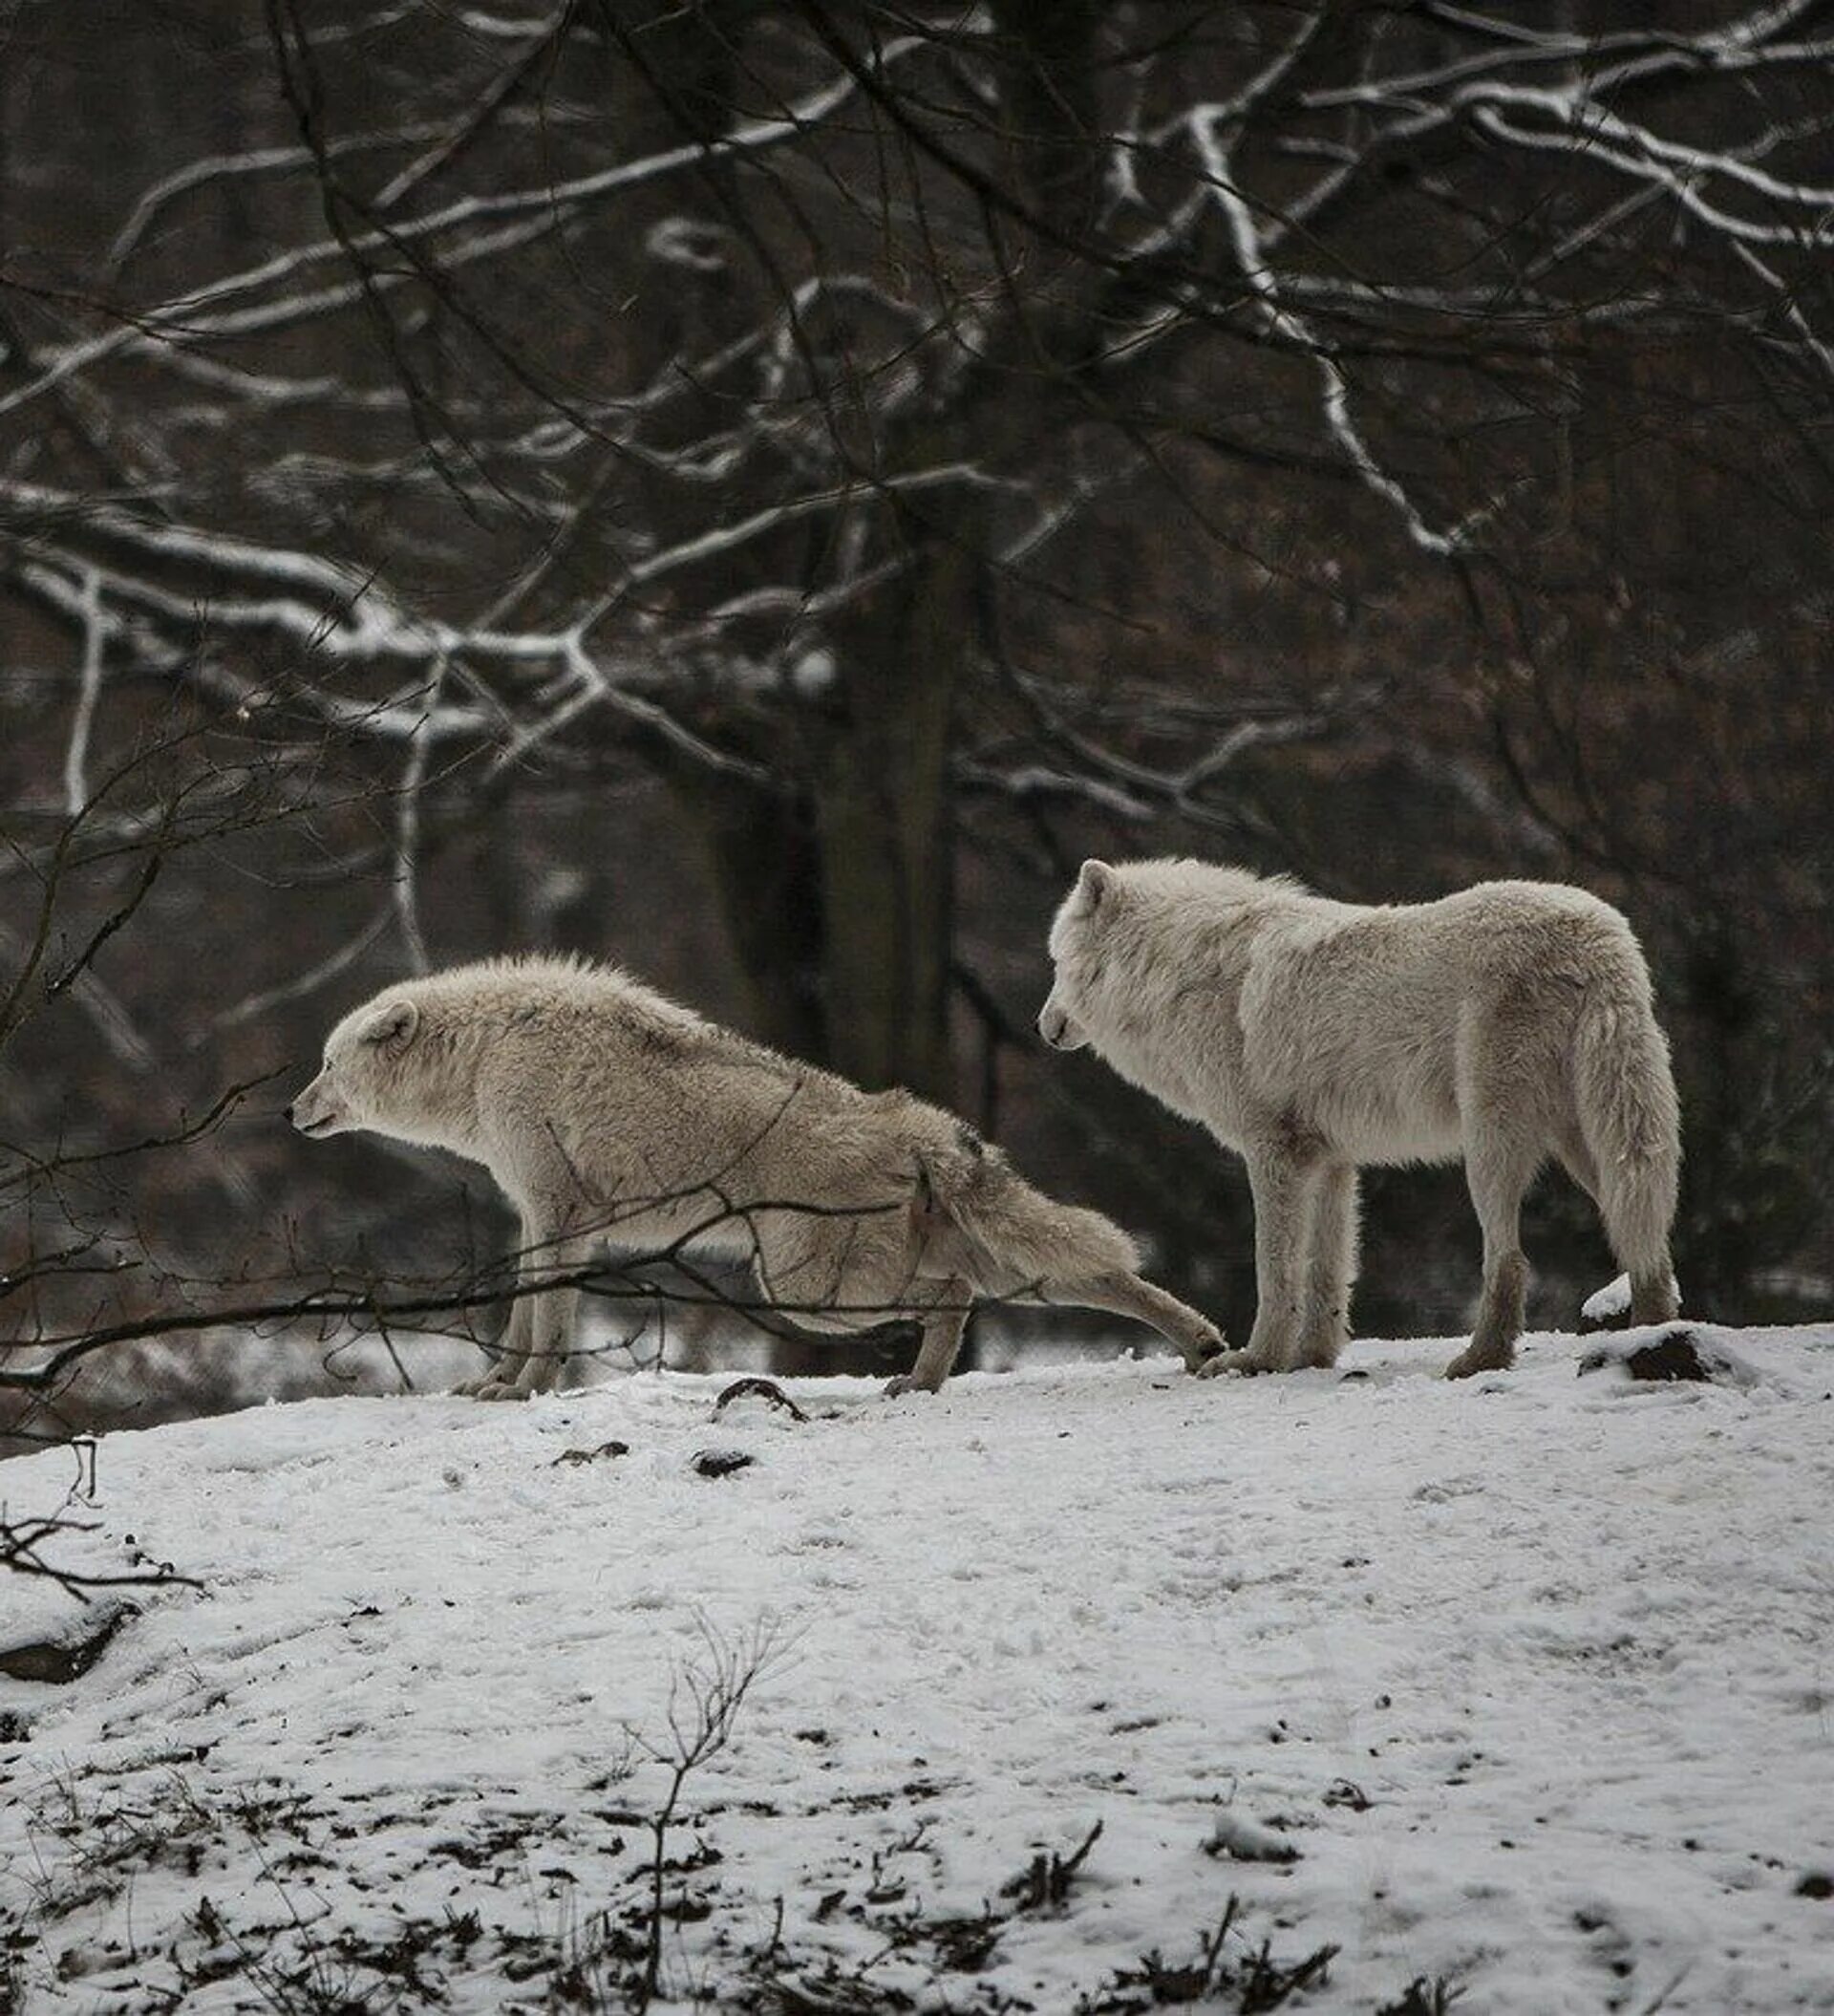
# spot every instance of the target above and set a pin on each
(1060, 1029)
(312, 1113)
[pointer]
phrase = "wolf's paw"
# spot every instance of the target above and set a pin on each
(1472, 1359)
(1226, 1362)
(489, 1385)
(906, 1383)
(1206, 1351)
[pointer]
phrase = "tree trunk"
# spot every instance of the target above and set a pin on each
(762, 852)
(837, 890)
(886, 829)
(836, 886)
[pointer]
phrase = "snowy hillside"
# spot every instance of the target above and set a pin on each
(1523, 1687)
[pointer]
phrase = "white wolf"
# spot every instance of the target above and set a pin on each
(610, 1115)
(1505, 1024)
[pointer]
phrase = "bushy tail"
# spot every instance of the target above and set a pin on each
(1632, 1122)
(1022, 1233)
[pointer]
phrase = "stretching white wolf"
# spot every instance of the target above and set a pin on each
(1505, 1024)
(609, 1115)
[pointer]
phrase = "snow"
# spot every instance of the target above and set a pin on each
(1611, 1304)
(1529, 1676)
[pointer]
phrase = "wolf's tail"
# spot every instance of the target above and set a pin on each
(1022, 1233)
(1632, 1122)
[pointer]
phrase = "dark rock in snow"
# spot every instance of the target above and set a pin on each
(721, 1463)
(1676, 1355)
(55, 1662)
(605, 1449)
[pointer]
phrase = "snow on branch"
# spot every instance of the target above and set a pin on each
(528, 437)
(1291, 325)
(205, 311)
(89, 692)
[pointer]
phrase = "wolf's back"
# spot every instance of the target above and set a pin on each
(1020, 1229)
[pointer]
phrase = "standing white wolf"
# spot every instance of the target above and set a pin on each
(609, 1115)
(1505, 1024)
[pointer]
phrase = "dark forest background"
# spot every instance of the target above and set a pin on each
(757, 492)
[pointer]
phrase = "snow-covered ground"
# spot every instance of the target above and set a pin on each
(1527, 1684)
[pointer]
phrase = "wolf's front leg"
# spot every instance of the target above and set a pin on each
(507, 1355)
(1324, 1326)
(941, 1344)
(539, 1333)
(1285, 1188)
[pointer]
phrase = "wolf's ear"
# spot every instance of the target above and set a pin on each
(392, 1025)
(1094, 883)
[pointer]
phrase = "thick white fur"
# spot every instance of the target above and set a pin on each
(1501, 1025)
(610, 1115)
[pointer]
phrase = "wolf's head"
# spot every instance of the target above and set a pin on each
(1075, 935)
(380, 1072)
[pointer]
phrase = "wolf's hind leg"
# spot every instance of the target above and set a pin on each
(1573, 1155)
(1656, 1295)
(1655, 1298)
(1498, 1169)
(1198, 1339)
